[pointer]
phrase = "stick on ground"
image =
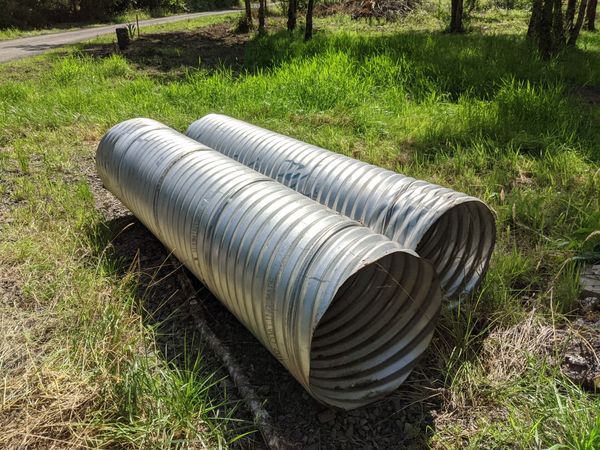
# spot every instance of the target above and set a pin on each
(262, 419)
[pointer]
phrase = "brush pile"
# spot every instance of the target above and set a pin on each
(386, 10)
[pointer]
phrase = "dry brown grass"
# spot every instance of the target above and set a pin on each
(575, 351)
(43, 399)
(74, 353)
(507, 351)
(523, 370)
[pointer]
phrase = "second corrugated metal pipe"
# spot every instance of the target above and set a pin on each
(346, 310)
(455, 231)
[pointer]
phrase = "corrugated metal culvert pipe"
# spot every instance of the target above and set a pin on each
(454, 231)
(345, 310)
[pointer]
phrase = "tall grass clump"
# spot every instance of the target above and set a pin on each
(528, 113)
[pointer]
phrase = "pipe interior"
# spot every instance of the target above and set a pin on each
(459, 245)
(380, 320)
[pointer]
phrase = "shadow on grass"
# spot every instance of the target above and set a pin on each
(168, 56)
(530, 104)
(471, 86)
(471, 63)
(402, 420)
(163, 307)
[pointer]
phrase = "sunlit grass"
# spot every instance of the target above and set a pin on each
(15, 33)
(123, 18)
(479, 113)
(87, 370)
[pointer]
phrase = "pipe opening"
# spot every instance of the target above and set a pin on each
(459, 245)
(379, 322)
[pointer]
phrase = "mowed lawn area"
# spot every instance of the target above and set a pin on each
(481, 113)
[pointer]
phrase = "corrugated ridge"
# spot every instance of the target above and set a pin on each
(453, 230)
(283, 264)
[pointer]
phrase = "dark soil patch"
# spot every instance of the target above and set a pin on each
(589, 94)
(582, 359)
(172, 54)
(388, 10)
(164, 307)
(20, 70)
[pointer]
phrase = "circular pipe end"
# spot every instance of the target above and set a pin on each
(460, 245)
(379, 323)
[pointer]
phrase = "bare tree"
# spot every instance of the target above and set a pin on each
(590, 15)
(550, 29)
(292, 13)
(536, 18)
(248, 16)
(308, 31)
(262, 12)
(75, 7)
(575, 27)
(456, 18)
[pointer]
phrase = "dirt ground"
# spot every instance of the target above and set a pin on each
(169, 55)
(402, 420)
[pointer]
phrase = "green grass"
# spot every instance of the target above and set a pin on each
(477, 112)
(126, 17)
(15, 33)
(88, 371)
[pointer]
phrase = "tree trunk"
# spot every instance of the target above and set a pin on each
(261, 15)
(75, 7)
(292, 12)
(308, 32)
(576, 28)
(533, 31)
(456, 25)
(558, 27)
(551, 30)
(570, 12)
(248, 7)
(590, 15)
(545, 36)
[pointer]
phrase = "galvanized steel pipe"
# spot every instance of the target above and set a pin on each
(454, 231)
(345, 310)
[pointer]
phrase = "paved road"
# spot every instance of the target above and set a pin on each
(29, 46)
